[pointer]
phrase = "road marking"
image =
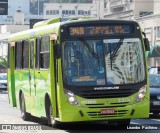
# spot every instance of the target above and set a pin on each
(9, 122)
(156, 119)
(4, 97)
(135, 123)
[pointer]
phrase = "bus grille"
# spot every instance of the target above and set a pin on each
(107, 93)
(118, 113)
(112, 105)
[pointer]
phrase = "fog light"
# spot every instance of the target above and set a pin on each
(71, 98)
(141, 94)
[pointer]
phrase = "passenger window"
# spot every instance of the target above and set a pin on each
(32, 54)
(44, 52)
(18, 55)
(25, 54)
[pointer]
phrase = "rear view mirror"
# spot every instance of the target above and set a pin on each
(57, 51)
(146, 42)
(147, 45)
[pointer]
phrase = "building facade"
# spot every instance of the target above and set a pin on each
(127, 9)
(13, 7)
(69, 10)
(25, 7)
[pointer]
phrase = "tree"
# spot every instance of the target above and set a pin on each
(3, 62)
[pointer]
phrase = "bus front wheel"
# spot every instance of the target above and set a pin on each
(49, 114)
(25, 116)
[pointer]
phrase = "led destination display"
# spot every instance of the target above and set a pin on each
(98, 30)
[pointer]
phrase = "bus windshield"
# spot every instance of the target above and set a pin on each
(102, 62)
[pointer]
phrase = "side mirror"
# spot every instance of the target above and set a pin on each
(57, 51)
(146, 43)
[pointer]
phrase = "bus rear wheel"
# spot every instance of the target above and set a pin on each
(25, 116)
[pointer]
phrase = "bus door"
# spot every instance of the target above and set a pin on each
(42, 76)
(32, 75)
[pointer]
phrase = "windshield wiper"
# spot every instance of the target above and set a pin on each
(89, 48)
(114, 54)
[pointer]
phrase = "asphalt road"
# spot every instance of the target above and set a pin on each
(10, 118)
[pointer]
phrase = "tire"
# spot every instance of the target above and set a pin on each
(25, 116)
(49, 114)
(156, 114)
(122, 124)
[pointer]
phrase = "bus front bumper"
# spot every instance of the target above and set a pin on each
(71, 113)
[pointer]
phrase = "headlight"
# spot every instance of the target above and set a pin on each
(71, 98)
(141, 94)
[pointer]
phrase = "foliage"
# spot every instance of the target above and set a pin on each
(3, 62)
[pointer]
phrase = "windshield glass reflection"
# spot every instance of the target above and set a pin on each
(103, 62)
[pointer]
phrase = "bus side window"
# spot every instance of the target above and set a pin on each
(32, 54)
(8, 57)
(25, 54)
(38, 43)
(44, 52)
(18, 55)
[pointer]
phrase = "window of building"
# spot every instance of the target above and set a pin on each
(89, 12)
(80, 12)
(144, 13)
(47, 12)
(50, 12)
(56, 12)
(85, 12)
(63, 12)
(68, 12)
(105, 5)
(73, 12)
(118, 9)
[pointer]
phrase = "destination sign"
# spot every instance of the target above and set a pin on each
(101, 30)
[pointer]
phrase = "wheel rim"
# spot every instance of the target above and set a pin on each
(51, 115)
(22, 106)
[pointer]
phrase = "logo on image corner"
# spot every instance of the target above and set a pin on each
(6, 127)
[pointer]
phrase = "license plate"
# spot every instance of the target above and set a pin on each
(156, 102)
(107, 111)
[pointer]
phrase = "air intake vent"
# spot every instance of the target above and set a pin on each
(111, 105)
(106, 93)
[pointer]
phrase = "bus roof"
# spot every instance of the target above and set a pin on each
(53, 25)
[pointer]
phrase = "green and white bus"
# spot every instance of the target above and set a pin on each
(79, 70)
